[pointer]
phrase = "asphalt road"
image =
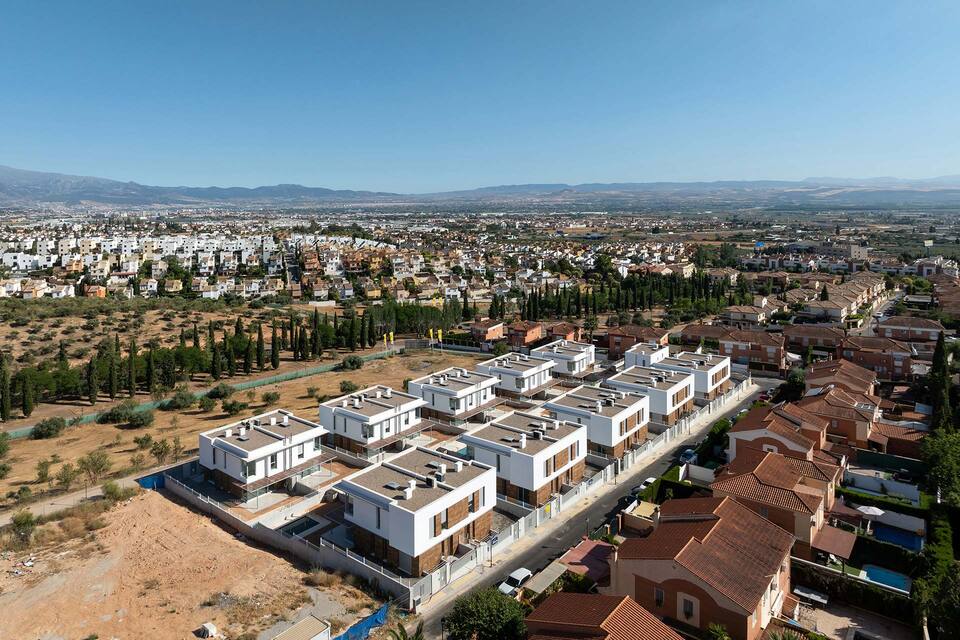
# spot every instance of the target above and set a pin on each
(869, 328)
(570, 533)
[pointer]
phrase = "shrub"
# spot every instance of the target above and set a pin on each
(486, 615)
(49, 428)
(4, 470)
(143, 442)
(112, 491)
(182, 399)
(319, 578)
(207, 404)
(270, 398)
(351, 363)
(221, 391)
(233, 407)
(346, 386)
(118, 414)
(23, 525)
(140, 420)
(311, 392)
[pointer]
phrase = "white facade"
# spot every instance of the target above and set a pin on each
(518, 373)
(667, 390)
(521, 447)
(266, 445)
(455, 392)
(399, 499)
(371, 415)
(607, 414)
(570, 358)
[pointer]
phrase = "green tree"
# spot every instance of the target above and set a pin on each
(215, 365)
(248, 357)
(151, 373)
(716, 631)
(5, 395)
(26, 393)
(274, 349)
(400, 633)
(66, 476)
(23, 524)
(43, 470)
(939, 383)
(160, 450)
(261, 351)
(941, 450)
(113, 377)
(94, 465)
(93, 382)
(590, 324)
(486, 615)
(132, 368)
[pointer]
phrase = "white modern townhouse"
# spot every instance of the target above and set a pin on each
(671, 393)
(415, 510)
(519, 376)
(615, 420)
(369, 422)
(252, 456)
(711, 372)
(534, 456)
(456, 395)
(571, 359)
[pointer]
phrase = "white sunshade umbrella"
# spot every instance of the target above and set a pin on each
(870, 511)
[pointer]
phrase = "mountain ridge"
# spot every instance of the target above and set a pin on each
(22, 186)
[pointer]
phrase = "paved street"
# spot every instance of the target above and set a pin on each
(869, 327)
(538, 551)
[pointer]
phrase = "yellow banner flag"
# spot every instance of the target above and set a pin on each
(431, 333)
(391, 337)
(440, 335)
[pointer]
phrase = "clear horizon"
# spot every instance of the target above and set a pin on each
(426, 97)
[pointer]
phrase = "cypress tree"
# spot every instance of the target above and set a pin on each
(5, 400)
(294, 343)
(93, 384)
(62, 361)
(283, 337)
(939, 380)
(183, 338)
(196, 336)
(132, 368)
(371, 334)
(302, 343)
(113, 376)
(211, 337)
(26, 394)
(315, 337)
(274, 349)
(260, 347)
(248, 356)
(231, 358)
(363, 331)
(238, 327)
(352, 336)
(215, 365)
(151, 370)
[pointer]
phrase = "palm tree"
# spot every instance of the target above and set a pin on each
(400, 633)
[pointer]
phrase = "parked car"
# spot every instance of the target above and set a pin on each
(689, 456)
(642, 486)
(511, 586)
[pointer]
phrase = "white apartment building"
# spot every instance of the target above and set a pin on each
(519, 375)
(615, 420)
(572, 359)
(367, 422)
(251, 456)
(416, 509)
(711, 373)
(534, 456)
(456, 395)
(671, 393)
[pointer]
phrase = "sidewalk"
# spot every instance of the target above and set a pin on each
(570, 523)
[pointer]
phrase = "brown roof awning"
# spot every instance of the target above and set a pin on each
(836, 541)
(878, 438)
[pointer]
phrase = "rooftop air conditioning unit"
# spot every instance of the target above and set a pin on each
(387, 392)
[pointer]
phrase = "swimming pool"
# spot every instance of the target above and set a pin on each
(897, 536)
(887, 577)
(300, 526)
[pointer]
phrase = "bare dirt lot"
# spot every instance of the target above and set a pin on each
(156, 570)
(118, 443)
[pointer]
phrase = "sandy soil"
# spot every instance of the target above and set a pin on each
(157, 570)
(78, 441)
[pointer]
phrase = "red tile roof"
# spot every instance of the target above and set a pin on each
(767, 478)
(584, 615)
(717, 540)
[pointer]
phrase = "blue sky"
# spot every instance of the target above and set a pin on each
(422, 96)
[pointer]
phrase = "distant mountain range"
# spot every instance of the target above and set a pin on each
(19, 187)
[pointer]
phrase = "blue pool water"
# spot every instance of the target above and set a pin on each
(899, 537)
(887, 577)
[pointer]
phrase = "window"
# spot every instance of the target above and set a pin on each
(472, 503)
(316, 443)
(498, 462)
(687, 608)
(658, 596)
(378, 517)
(548, 466)
(443, 519)
(348, 507)
(214, 457)
(273, 461)
(300, 452)
(518, 382)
